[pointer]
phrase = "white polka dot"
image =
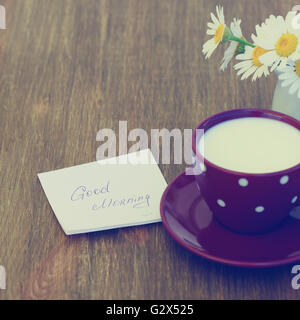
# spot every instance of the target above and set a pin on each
(243, 182)
(284, 179)
(294, 199)
(259, 209)
(221, 203)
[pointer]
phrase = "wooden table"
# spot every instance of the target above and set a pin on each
(69, 68)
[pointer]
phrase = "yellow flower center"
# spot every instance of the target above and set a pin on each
(219, 33)
(256, 53)
(297, 68)
(286, 45)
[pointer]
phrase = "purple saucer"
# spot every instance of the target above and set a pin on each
(190, 222)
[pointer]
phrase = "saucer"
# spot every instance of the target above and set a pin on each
(188, 219)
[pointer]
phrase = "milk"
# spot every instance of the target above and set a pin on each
(252, 145)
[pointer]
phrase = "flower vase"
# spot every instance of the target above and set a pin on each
(285, 102)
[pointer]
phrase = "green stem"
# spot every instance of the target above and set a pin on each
(242, 41)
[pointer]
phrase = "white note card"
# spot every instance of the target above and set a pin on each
(112, 193)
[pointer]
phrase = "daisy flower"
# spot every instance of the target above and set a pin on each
(251, 63)
(290, 76)
(281, 40)
(231, 51)
(216, 29)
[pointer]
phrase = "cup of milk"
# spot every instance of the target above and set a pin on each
(250, 161)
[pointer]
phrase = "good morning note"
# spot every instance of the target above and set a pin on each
(99, 195)
(101, 203)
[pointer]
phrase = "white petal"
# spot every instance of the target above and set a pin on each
(258, 73)
(235, 27)
(280, 22)
(210, 32)
(263, 43)
(248, 73)
(243, 64)
(214, 19)
(286, 75)
(212, 26)
(266, 71)
(242, 71)
(294, 87)
(290, 16)
(295, 56)
(288, 82)
(228, 55)
(244, 68)
(268, 58)
(242, 56)
(229, 52)
(209, 47)
(220, 13)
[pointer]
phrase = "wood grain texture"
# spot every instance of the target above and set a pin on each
(69, 68)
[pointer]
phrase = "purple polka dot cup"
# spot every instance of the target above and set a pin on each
(248, 167)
